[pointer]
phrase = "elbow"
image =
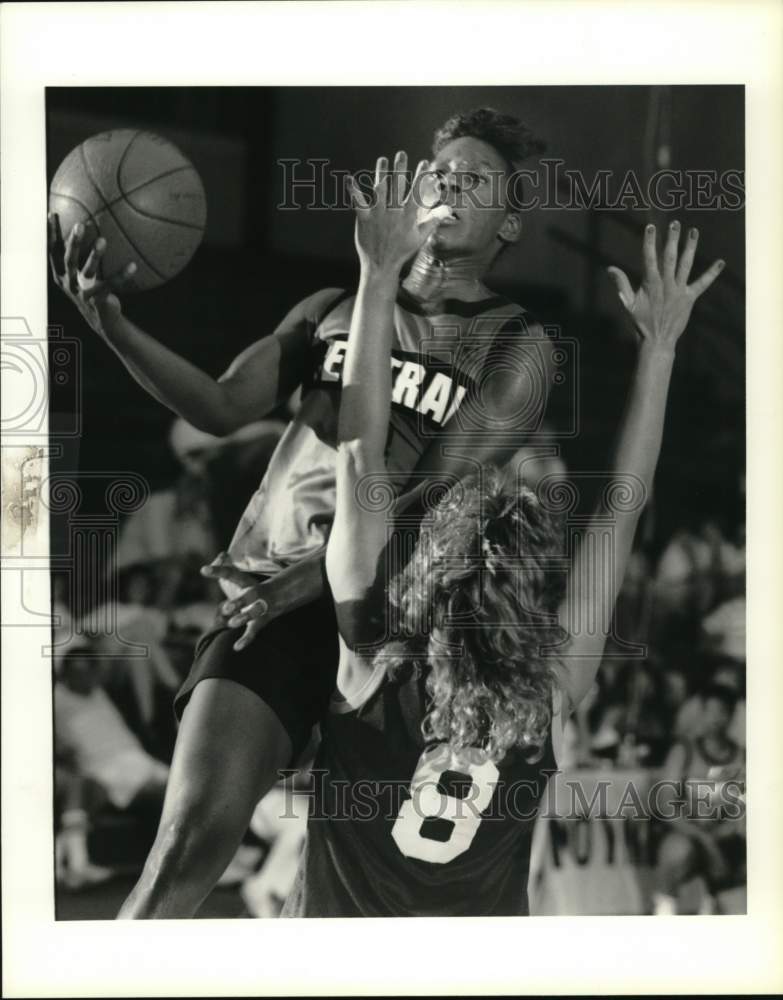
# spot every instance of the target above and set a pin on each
(224, 418)
(215, 424)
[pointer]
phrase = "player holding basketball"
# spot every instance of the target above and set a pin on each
(463, 709)
(248, 707)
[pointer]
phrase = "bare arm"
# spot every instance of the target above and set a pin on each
(660, 310)
(210, 404)
(358, 534)
(386, 237)
(256, 381)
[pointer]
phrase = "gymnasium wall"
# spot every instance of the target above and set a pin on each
(256, 261)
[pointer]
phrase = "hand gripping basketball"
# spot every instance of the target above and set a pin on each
(140, 193)
(95, 299)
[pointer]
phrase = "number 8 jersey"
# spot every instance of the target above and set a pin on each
(400, 827)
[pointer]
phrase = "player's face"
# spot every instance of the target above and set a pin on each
(472, 178)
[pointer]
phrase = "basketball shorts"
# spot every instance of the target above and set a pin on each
(291, 665)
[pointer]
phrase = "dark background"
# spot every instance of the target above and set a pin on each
(256, 261)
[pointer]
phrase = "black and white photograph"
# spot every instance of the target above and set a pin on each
(376, 489)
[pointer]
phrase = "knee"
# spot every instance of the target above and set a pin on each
(197, 831)
(183, 829)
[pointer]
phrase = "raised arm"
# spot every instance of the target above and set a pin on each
(660, 310)
(256, 381)
(387, 235)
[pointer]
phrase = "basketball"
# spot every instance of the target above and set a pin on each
(141, 194)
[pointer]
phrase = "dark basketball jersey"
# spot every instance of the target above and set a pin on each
(400, 828)
(437, 361)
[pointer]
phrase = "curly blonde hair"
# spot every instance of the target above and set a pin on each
(475, 606)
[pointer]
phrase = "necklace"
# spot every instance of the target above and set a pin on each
(432, 278)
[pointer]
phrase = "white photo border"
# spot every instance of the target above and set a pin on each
(292, 44)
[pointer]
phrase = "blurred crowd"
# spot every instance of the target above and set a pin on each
(670, 695)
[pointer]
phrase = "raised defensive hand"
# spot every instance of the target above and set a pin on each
(387, 230)
(661, 307)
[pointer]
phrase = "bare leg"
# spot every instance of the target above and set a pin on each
(229, 749)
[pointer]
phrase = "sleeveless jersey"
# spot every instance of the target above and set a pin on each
(403, 826)
(436, 361)
(400, 828)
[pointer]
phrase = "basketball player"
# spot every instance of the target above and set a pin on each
(249, 705)
(462, 711)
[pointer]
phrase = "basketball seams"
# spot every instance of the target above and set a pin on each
(140, 187)
(166, 173)
(162, 218)
(131, 243)
(131, 224)
(88, 173)
(94, 219)
(122, 159)
(124, 194)
(120, 162)
(152, 180)
(116, 221)
(70, 197)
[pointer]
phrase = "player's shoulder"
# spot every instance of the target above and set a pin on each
(516, 318)
(318, 305)
(499, 316)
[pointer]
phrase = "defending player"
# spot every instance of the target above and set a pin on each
(463, 709)
(248, 707)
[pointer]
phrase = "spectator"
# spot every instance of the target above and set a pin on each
(724, 629)
(98, 762)
(137, 670)
(690, 722)
(704, 837)
(632, 712)
(187, 519)
(90, 731)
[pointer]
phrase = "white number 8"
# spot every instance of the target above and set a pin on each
(427, 801)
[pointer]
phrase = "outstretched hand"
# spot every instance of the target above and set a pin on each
(661, 307)
(94, 298)
(388, 232)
